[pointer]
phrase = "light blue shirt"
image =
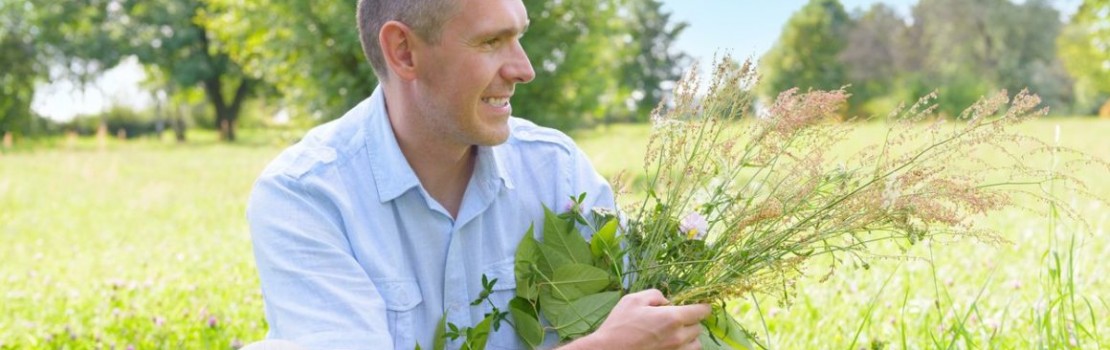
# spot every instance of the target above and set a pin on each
(353, 253)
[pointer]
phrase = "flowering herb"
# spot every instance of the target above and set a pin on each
(738, 203)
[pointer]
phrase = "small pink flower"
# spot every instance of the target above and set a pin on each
(694, 226)
(158, 321)
(570, 206)
(212, 322)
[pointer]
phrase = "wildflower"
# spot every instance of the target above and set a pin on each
(236, 343)
(158, 321)
(570, 206)
(694, 226)
(212, 322)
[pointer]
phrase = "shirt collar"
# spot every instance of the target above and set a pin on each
(394, 176)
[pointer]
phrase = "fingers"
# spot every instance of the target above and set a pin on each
(689, 333)
(650, 297)
(691, 314)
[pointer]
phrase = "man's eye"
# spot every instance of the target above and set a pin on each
(492, 42)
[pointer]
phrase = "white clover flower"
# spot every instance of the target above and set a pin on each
(694, 226)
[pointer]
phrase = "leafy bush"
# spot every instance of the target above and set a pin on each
(134, 123)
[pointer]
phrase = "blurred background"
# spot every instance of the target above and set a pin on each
(156, 65)
(132, 131)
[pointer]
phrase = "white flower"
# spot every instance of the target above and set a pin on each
(694, 226)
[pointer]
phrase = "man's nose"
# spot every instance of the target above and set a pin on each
(519, 68)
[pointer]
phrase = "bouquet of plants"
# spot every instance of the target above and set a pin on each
(738, 202)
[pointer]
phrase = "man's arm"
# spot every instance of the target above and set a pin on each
(643, 320)
(315, 293)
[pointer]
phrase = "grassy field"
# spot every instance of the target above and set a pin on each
(144, 244)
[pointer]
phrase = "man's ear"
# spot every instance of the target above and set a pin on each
(396, 40)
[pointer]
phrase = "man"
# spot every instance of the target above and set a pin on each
(378, 224)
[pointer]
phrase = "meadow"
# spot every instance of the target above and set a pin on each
(144, 244)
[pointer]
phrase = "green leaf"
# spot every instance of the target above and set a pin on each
(439, 342)
(561, 236)
(527, 323)
(582, 316)
(553, 258)
(726, 330)
(574, 281)
(604, 242)
(528, 255)
(476, 337)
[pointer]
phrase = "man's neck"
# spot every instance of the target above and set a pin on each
(443, 167)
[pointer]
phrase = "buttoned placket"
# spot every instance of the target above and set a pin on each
(484, 186)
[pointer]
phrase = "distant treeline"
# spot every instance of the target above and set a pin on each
(596, 61)
(962, 49)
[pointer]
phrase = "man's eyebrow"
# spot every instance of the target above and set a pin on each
(509, 32)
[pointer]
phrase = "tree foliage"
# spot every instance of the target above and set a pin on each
(86, 37)
(596, 61)
(806, 53)
(1085, 48)
(168, 35)
(21, 70)
(311, 53)
(308, 50)
(963, 49)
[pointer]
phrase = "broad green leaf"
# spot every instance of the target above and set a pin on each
(553, 258)
(563, 237)
(584, 315)
(574, 281)
(527, 323)
(551, 307)
(604, 242)
(527, 256)
(726, 330)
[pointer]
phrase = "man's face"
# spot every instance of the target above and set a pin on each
(468, 77)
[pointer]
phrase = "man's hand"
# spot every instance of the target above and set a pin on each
(643, 320)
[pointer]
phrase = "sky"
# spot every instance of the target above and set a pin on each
(747, 28)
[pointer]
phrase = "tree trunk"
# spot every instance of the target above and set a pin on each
(179, 126)
(226, 114)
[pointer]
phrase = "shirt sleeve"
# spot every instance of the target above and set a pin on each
(315, 293)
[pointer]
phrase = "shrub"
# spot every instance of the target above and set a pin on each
(134, 123)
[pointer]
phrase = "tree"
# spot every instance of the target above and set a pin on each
(645, 74)
(87, 36)
(805, 55)
(21, 70)
(311, 53)
(168, 35)
(1085, 47)
(874, 56)
(968, 48)
(308, 50)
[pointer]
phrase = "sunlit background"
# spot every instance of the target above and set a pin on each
(131, 132)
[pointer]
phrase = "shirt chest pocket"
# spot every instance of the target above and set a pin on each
(401, 300)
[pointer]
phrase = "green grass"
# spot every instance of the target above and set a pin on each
(143, 243)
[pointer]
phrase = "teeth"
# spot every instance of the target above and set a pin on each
(497, 102)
